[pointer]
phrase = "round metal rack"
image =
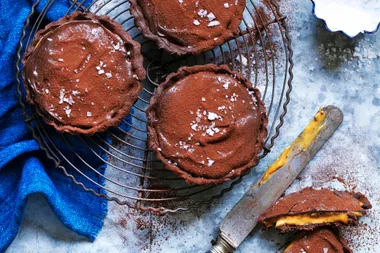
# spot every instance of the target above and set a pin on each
(134, 177)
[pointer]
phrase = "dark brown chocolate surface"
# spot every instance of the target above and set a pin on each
(322, 201)
(207, 124)
(83, 73)
(322, 240)
(188, 26)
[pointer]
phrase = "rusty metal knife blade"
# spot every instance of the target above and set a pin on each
(243, 218)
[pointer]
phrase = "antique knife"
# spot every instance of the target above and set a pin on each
(244, 216)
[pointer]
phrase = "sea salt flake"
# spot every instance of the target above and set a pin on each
(203, 99)
(213, 116)
(88, 58)
(194, 127)
(210, 132)
(226, 5)
(61, 60)
(69, 100)
(202, 13)
(211, 16)
(210, 162)
(213, 23)
(234, 97)
(225, 86)
(100, 72)
(108, 75)
(89, 114)
(61, 96)
(67, 111)
(196, 22)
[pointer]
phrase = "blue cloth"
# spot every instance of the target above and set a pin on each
(24, 168)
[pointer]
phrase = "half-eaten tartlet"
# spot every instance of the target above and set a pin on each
(310, 208)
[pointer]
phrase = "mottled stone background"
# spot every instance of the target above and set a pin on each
(330, 69)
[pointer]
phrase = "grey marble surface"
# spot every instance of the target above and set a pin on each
(330, 69)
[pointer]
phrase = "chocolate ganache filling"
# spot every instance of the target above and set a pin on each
(83, 73)
(188, 26)
(207, 124)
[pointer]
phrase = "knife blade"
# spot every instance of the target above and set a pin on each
(241, 220)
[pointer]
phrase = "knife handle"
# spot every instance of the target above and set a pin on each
(222, 246)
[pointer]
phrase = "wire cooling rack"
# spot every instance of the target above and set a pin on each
(134, 177)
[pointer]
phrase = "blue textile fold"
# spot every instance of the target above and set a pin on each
(24, 168)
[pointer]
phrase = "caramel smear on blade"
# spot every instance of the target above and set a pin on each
(303, 142)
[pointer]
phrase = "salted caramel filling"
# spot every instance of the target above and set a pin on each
(313, 218)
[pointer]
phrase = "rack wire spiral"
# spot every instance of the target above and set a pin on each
(262, 52)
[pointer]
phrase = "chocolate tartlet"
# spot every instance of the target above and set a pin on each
(322, 240)
(188, 26)
(207, 124)
(83, 73)
(309, 209)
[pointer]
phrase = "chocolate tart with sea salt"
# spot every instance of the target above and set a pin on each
(309, 209)
(322, 240)
(207, 124)
(188, 26)
(83, 73)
